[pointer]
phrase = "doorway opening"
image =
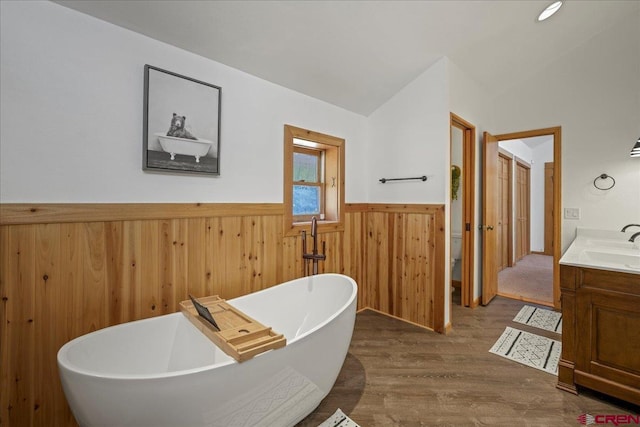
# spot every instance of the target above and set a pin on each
(462, 211)
(526, 194)
(525, 264)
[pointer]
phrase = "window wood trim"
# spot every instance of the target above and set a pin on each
(333, 179)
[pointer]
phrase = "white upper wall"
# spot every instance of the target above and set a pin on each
(409, 137)
(594, 94)
(71, 117)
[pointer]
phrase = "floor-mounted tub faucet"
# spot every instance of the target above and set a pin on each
(629, 225)
(314, 256)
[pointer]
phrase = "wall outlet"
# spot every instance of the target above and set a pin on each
(571, 213)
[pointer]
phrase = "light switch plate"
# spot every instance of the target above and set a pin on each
(571, 213)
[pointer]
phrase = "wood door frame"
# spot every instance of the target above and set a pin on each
(548, 203)
(468, 208)
(556, 132)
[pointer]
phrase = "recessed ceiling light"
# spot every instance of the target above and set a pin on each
(550, 10)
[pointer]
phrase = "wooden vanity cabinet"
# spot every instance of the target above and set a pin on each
(600, 332)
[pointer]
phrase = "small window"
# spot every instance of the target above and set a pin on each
(308, 188)
(314, 180)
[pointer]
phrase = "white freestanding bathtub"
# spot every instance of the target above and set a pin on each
(162, 371)
(189, 147)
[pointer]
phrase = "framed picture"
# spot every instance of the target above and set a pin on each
(181, 131)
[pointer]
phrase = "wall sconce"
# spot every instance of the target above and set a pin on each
(635, 151)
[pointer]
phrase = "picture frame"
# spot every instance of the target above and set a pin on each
(181, 124)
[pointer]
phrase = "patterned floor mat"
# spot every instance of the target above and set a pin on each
(529, 349)
(540, 318)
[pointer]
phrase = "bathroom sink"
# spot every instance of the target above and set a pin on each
(603, 249)
(623, 259)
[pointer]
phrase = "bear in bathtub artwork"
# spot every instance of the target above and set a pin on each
(177, 129)
(181, 129)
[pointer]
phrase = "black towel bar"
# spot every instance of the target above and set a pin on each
(383, 180)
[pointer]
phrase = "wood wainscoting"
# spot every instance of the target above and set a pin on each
(404, 262)
(69, 269)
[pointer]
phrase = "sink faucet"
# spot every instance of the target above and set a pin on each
(633, 236)
(629, 225)
(314, 256)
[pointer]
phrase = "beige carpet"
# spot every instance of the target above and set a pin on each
(530, 279)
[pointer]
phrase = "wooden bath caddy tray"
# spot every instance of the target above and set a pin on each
(240, 336)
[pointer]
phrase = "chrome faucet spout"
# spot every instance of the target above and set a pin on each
(629, 225)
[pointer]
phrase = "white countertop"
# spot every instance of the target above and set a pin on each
(604, 250)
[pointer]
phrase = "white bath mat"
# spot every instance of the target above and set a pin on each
(339, 419)
(281, 400)
(540, 318)
(529, 349)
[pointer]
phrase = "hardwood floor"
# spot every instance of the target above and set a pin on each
(398, 374)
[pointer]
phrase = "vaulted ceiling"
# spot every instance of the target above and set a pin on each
(358, 54)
